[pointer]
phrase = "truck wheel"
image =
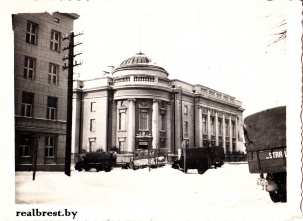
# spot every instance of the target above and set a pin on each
(274, 196)
(86, 167)
(282, 194)
(108, 169)
(201, 169)
(78, 167)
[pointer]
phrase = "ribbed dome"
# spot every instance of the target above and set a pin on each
(139, 58)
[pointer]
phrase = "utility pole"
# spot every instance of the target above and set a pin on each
(70, 67)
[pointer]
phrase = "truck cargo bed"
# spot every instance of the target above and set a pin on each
(267, 161)
(266, 129)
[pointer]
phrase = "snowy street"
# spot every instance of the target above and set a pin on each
(227, 193)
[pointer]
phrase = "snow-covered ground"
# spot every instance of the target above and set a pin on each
(227, 193)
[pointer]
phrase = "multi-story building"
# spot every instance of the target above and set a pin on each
(136, 106)
(40, 88)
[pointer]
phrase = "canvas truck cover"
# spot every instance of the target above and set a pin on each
(266, 129)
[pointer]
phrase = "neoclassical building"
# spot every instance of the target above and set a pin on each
(136, 105)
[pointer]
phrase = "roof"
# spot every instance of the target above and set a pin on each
(139, 58)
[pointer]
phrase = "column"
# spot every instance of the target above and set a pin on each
(117, 124)
(236, 132)
(208, 126)
(217, 129)
(155, 124)
(131, 126)
(223, 132)
(200, 126)
(168, 127)
(230, 135)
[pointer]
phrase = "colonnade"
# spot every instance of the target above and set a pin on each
(226, 138)
(155, 125)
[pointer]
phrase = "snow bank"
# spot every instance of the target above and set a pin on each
(229, 192)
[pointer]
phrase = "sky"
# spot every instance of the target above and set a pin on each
(224, 45)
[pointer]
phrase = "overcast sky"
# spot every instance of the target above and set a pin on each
(224, 45)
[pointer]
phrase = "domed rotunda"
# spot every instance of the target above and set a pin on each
(141, 68)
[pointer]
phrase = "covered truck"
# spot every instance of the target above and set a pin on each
(265, 141)
(142, 158)
(200, 158)
(99, 160)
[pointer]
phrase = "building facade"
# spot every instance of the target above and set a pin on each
(136, 106)
(40, 88)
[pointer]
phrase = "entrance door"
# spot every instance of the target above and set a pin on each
(143, 145)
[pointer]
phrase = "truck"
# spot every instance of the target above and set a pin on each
(265, 141)
(99, 160)
(148, 158)
(200, 158)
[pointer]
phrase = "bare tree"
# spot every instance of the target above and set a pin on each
(282, 33)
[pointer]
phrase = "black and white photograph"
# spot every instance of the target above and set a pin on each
(151, 110)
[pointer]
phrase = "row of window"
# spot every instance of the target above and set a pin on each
(32, 36)
(143, 122)
(220, 127)
(30, 69)
(26, 146)
(28, 104)
(30, 62)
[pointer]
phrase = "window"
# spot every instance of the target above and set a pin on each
(162, 142)
(226, 129)
(212, 126)
(143, 120)
(24, 148)
(31, 33)
(49, 146)
(121, 146)
(186, 143)
(27, 104)
(185, 109)
(92, 124)
(55, 41)
(51, 108)
(234, 147)
(162, 123)
(204, 125)
(185, 127)
(53, 73)
(220, 127)
(93, 106)
(92, 144)
(29, 67)
(122, 121)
